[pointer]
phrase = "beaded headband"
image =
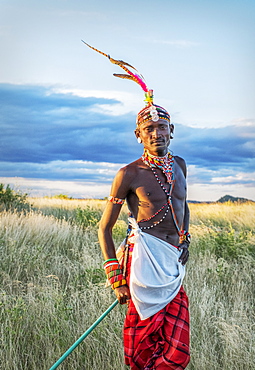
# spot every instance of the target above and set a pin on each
(151, 111)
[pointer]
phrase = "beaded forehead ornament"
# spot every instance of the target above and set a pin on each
(151, 111)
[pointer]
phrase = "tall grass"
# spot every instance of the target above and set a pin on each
(52, 288)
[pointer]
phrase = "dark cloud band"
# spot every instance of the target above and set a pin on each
(40, 127)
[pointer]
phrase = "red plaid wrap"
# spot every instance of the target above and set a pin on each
(160, 342)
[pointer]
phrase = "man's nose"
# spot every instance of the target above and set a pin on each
(156, 133)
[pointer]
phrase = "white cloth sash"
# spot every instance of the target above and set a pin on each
(156, 274)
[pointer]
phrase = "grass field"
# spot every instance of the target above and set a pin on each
(52, 287)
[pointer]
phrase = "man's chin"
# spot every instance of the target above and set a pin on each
(159, 150)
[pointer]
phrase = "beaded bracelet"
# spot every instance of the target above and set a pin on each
(115, 200)
(110, 259)
(114, 273)
(110, 268)
(119, 283)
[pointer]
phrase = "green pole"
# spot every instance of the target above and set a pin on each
(87, 332)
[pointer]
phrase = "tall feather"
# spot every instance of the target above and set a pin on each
(136, 77)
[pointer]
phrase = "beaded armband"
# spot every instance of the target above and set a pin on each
(114, 273)
(185, 236)
(115, 200)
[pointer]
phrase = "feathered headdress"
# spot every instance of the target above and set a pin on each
(151, 111)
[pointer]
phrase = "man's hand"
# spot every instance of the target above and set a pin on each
(123, 294)
(184, 247)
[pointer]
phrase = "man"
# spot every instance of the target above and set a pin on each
(148, 277)
(146, 190)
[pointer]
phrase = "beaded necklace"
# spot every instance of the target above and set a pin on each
(165, 164)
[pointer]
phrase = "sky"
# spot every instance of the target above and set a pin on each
(67, 124)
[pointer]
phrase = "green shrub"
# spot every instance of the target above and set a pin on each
(225, 243)
(11, 200)
(232, 245)
(87, 217)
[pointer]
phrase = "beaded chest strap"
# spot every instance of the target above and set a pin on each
(165, 164)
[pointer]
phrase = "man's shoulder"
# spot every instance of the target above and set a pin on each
(127, 175)
(181, 162)
(132, 168)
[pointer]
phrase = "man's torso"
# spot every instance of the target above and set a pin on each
(146, 197)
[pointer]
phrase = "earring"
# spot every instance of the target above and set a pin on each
(139, 140)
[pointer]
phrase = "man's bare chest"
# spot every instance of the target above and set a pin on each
(152, 186)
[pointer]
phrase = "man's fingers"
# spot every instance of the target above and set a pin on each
(122, 293)
(123, 298)
(184, 256)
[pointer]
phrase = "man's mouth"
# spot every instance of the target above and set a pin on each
(158, 142)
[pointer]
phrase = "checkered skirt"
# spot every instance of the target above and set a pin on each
(160, 342)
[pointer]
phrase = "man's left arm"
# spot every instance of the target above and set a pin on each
(185, 238)
(184, 245)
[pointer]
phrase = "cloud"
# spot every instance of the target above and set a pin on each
(124, 102)
(229, 148)
(220, 176)
(53, 134)
(62, 170)
(45, 187)
(213, 192)
(40, 126)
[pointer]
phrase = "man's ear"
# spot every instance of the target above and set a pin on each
(171, 131)
(137, 133)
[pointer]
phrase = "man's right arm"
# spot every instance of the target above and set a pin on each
(120, 189)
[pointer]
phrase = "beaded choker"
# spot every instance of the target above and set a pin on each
(165, 164)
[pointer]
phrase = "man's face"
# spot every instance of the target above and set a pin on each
(155, 136)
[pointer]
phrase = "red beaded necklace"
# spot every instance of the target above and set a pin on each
(165, 164)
